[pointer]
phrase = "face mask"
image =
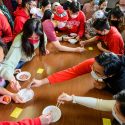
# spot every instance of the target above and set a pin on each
(97, 78)
(61, 24)
(115, 116)
(33, 41)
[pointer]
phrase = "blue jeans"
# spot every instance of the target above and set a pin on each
(20, 64)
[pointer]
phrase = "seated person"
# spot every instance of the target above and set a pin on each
(3, 91)
(116, 16)
(76, 20)
(22, 14)
(5, 29)
(107, 70)
(89, 30)
(89, 9)
(109, 35)
(116, 106)
(23, 50)
(41, 120)
(49, 28)
(103, 5)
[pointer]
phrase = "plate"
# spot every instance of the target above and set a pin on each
(23, 76)
(26, 94)
(72, 41)
(54, 110)
(73, 34)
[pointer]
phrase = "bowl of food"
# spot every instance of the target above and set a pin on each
(7, 99)
(23, 76)
(72, 41)
(26, 94)
(65, 37)
(73, 34)
(55, 112)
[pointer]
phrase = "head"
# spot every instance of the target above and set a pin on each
(27, 4)
(3, 51)
(101, 26)
(45, 5)
(103, 4)
(47, 15)
(55, 4)
(74, 8)
(60, 15)
(32, 34)
(106, 65)
(116, 16)
(118, 110)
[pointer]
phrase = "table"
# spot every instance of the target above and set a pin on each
(72, 114)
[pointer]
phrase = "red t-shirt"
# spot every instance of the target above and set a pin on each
(49, 30)
(77, 25)
(80, 69)
(113, 40)
(35, 121)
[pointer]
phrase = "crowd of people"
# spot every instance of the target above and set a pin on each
(26, 25)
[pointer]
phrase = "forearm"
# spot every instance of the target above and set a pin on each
(45, 81)
(103, 50)
(95, 103)
(91, 40)
(4, 91)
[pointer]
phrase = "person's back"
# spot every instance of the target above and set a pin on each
(20, 18)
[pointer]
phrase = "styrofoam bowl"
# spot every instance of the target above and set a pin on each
(26, 74)
(73, 34)
(55, 112)
(72, 41)
(26, 94)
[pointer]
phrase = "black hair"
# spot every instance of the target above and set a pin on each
(111, 62)
(32, 25)
(74, 7)
(101, 24)
(101, 1)
(24, 2)
(47, 15)
(116, 12)
(120, 97)
(4, 47)
(44, 3)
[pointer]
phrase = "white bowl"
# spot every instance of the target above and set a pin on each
(23, 76)
(55, 112)
(65, 37)
(73, 34)
(26, 94)
(72, 41)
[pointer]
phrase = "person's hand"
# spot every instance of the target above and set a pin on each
(99, 85)
(46, 119)
(77, 38)
(99, 45)
(14, 84)
(80, 49)
(17, 71)
(47, 52)
(82, 43)
(64, 97)
(2, 100)
(36, 83)
(16, 98)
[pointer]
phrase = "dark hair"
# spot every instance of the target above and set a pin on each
(116, 12)
(24, 2)
(32, 25)
(2, 45)
(102, 1)
(111, 62)
(47, 15)
(74, 7)
(44, 3)
(101, 24)
(120, 97)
